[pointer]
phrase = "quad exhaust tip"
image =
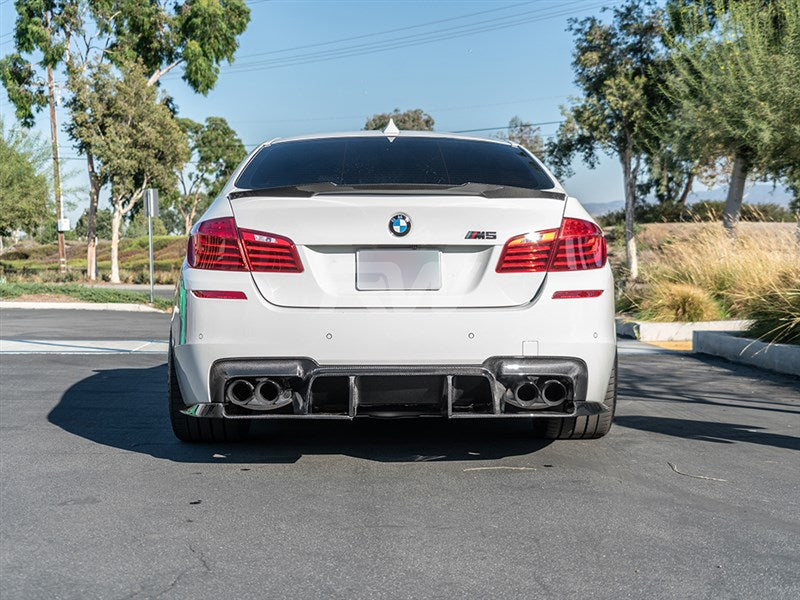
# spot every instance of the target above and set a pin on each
(268, 391)
(554, 392)
(240, 391)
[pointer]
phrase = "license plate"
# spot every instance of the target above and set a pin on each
(398, 270)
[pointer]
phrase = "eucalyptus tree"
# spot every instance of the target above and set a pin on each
(192, 37)
(24, 184)
(525, 134)
(413, 119)
(613, 64)
(217, 151)
(735, 74)
(134, 137)
(44, 28)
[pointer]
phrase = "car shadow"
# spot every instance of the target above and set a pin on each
(126, 409)
(709, 431)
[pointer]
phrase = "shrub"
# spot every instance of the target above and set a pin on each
(729, 270)
(679, 302)
(776, 314)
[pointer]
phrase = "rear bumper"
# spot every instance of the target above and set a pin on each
(490, 389)
(208, 332)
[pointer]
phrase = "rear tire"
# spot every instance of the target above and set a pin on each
(198, 429)
(582, 428)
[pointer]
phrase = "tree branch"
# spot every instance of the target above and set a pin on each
(159, 73)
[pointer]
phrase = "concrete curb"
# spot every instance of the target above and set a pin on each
(112, 306)
(781, 358)
(655, 331)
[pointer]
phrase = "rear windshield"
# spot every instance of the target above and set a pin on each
(406, 160)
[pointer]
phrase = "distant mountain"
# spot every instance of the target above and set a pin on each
(759, 193)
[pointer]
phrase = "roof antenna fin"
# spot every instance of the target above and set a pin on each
(391, 131)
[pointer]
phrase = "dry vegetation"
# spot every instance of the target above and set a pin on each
(694, 272)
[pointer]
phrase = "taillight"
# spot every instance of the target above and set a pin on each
(218, 244)
(214, 244)
(576, 245)
(581, 246)
(527, 253)
(269, 252)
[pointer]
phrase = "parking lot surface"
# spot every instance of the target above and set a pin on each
(695, 493)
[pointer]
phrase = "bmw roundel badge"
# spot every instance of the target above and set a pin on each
(400, 224)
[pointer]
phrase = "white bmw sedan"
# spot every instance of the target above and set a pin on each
(393, 273)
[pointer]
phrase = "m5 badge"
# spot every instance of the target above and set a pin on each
(481, 235)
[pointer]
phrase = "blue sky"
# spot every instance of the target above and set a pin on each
(513, 59)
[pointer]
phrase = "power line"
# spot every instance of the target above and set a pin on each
(405, 41)
(401, 42)
(385, 31)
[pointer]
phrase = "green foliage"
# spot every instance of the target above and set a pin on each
(217, 151)
(82, 293)
(526, 135)
(613, 66)
(24, 186)
(138, 226)
(103, 230)
(197, 34)
(705, 210)
(415, 119)
(26, 91)
(133, 136)
(735, 70)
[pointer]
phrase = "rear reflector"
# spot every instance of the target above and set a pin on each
(217, 244)
(577, 245)
(577, 294)
(220, 294)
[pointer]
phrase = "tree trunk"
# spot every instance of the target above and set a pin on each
(733, 203)
(91, 219)
(687, 189)
(631, 258)
(116, 223)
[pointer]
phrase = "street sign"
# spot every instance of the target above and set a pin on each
(151, 202)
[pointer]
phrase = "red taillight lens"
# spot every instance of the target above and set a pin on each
(527, 253)
(269, 252)
(575, 246)
(581, 246)
(214, 244)
(219, 244)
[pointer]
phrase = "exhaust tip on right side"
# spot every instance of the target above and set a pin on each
(554, 392)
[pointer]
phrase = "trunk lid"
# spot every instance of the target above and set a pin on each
(330, 231)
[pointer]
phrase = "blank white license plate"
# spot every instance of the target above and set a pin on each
(398, 270)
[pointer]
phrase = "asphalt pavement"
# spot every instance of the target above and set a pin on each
(695, 493)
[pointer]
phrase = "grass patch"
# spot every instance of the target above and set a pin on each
(83, 293)
(667, 301)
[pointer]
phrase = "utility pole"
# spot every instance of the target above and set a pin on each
(62, 224)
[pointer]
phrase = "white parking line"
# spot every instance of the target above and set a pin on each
(83, 346)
